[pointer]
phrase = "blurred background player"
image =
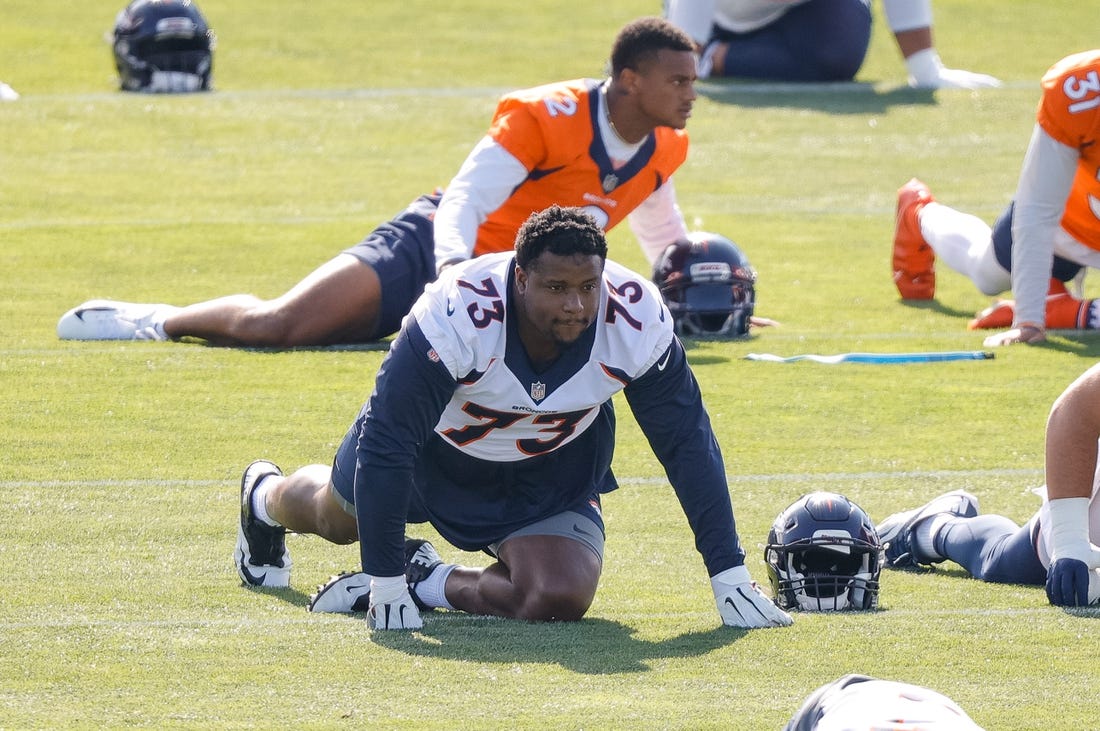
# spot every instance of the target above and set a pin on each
(610, 146)
(1056, 547)
(163, 46)
(861, 702)
(811, 40)
(823, 555)
(492, 418)
(1048, 235)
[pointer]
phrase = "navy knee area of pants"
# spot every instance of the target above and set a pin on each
(1061, 269)
(822, 40)
(992, 548)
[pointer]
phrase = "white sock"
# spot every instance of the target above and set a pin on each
(160, 315)
(964, 242)
(259, 500)
(431, 590)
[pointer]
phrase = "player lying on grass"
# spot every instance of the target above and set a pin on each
(608, 146)
(1048, 235)
(812, 40)
(491, 418)
(1056, 547)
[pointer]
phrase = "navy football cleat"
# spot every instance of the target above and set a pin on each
(897, 531)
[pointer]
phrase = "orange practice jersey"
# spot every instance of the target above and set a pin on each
(553, 130)
(1070, 113)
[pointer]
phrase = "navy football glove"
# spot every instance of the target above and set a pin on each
(1068, 583)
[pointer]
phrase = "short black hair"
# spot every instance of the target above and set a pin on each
(641, 39)
(561, 231)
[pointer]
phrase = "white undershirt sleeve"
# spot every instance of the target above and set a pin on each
(1045, 181)
(485, 180)
(903, 15)
(694, 17)
(658, 221)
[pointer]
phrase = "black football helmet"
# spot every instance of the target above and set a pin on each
(708, 285)
(163, 46)
(824, 555)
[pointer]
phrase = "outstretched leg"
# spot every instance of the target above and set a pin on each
(991, 548)
(339, 302)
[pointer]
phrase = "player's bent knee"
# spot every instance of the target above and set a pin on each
(555, 606)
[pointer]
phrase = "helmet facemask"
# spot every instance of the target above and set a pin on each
(708, 285)
(827, 575)
(823, 555)
(163, 47)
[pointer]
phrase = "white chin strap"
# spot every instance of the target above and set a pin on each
(173, 82)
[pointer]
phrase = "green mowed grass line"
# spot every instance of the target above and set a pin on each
(120, 606)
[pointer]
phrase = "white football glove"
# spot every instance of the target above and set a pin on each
(343, 593)
(742, 604)
(391, 606)
(926, 71)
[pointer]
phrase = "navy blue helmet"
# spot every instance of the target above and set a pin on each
(708, 285)
(823, 554)
(163, 46)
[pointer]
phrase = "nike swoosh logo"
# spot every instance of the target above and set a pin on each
(450, 307)
(664, 361)
(582, 531)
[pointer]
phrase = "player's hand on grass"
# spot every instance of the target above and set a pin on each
(755, 321)
(1068, 583)
(962, 79)
(391, 606)
(742, 604)
(926, 71)
(1026, 334)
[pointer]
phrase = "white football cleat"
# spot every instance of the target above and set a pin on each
(344, 593)
(111, 320)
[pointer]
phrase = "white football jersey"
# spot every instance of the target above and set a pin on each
(504, 411)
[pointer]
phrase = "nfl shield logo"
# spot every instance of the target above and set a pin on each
(538, 391)
(610, 182)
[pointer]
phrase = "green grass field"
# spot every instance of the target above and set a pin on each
(119, 604)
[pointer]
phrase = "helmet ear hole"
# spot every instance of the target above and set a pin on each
(163, 46)
(823, 554)
(708, 285)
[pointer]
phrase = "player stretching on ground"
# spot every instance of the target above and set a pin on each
(1056, 547)
(492, 419)
(608, 146)
(1047, 236)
